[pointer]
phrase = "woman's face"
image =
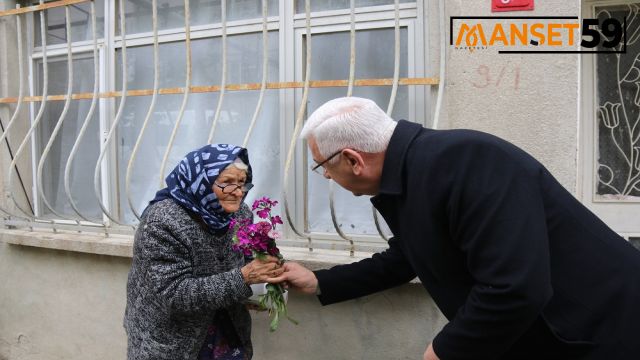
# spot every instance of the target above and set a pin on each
(230, 201)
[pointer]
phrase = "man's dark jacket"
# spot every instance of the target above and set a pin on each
(520, 268)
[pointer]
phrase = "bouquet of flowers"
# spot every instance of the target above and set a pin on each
(258, 240)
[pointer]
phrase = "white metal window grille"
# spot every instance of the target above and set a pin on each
(611, 127)
(119, 91)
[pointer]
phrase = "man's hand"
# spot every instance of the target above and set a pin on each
(298, 277)
(430, 354)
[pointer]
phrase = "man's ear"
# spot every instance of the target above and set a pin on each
(355, 160)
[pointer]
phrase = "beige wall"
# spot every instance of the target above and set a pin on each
(537, 111)
(61, 305)
(57, 305)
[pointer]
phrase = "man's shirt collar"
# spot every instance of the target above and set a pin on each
(392, 170)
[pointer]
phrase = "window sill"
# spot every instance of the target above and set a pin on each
(122, 245)
(114, 245)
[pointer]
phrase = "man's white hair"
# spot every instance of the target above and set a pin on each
(349, 122)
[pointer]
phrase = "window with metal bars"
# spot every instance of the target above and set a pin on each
(117, 92)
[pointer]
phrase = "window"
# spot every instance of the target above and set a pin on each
(611, 131)
(244, 59)
(341, 4)
(125, 181)
(53, 162)
(371, 62)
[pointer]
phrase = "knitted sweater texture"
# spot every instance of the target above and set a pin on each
(180, 277)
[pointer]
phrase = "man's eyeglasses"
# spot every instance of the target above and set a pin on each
(316, 168)
(229, 188)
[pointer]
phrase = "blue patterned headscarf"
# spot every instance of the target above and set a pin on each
(190, 183)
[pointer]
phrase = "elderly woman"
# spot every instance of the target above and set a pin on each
(186, 286)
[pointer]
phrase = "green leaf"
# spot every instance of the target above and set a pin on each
(273, 300)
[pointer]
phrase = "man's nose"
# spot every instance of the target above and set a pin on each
(326, 175)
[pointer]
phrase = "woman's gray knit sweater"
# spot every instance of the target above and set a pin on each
(180, 276)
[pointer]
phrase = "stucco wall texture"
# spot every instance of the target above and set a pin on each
(529, 99)
(59, 305)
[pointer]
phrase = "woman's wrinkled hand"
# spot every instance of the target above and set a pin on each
(258, 271)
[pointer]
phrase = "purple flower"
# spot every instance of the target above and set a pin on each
(259, 238)
(263, 214)
(263, 227)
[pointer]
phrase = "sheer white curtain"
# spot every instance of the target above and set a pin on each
(244, 57)
(81, 176)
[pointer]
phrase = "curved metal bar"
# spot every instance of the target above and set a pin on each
(376, 219)
(265, 68)
(39, 116)
(187, 89)
(114, 125)
(396, 60)
(352, 54)
(223, 82)
(443, 59)
(298, 126)
(87, 119)
(63, 115)
(352, 63)
(334, 218)
(392, 98)
(147, 118)
(20, 94)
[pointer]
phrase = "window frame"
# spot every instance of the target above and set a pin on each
(616, 213)
(291, 28)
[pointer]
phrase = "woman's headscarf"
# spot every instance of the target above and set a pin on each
(191, 181)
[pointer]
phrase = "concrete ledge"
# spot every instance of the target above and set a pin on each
(122, 245)
(115, 245)
(321, 258)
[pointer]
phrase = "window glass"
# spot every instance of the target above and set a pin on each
(81, 176)
(244, 65)
(618, 113)
(342, 4)
(171, 13)
(80, 23)
(354, 213)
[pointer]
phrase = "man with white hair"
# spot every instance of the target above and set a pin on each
(520, 268)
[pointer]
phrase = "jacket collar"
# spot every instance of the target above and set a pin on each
(394, 159)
